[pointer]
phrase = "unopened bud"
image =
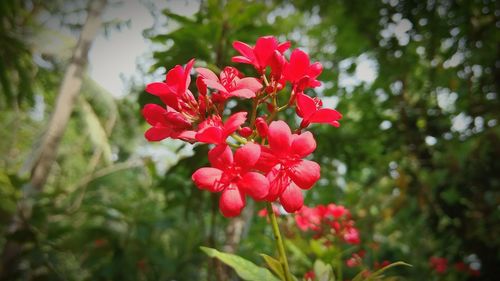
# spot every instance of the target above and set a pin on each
(271, 107)
(262, 127)
(245, 132)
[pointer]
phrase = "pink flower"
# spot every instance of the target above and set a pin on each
(311, 112)
(300, 72)
(260, 55)
(288, 173)
(166, 123)
(351, 235)
(212, 130)
(233, 177)
(230, 84)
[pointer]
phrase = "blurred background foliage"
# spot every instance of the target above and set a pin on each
(415, 160)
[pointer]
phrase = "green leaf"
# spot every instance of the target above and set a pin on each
(274, 265)
(245, 269)
(377, 274)
(323, 271)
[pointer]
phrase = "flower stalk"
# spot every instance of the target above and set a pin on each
(279, 242)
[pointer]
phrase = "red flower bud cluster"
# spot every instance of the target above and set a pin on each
(253, 155)
(438, 264)
(328, 219)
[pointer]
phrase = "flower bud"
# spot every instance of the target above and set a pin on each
(271, 107)
(245, 132)
(262, 127)
(269, 89)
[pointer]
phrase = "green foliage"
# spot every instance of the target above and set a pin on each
(244, 268)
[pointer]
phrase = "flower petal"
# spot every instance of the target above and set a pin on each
(187, 76)
(280, 137)
(282, 47)
(244, 49)
(246, 156)
(254, 184)
(154, 114)
(305, 174)
(220, 156)
(177, 120)
(175, 76)
(207, 73)
(249, 83)
(303, 144)
(305, 106)
(267, 160)
(231, 202)
(242, 93)
(292, 198)
(159, 88)
(314, 70)
(215, 85)
(264, 49)
(278, 181)
(188, 136)
(208, 178)
(299, 62)
(325, 115)
(210, 135)
(241, 59)
(157, 133)
(234, 122)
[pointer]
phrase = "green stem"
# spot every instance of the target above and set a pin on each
(239, 139)
(279, 242)
(339, 267)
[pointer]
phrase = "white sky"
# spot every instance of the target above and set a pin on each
(117, 54)
(109, 57)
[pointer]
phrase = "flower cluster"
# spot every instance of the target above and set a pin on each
(440, 266)
(328, 219)
(253, 154)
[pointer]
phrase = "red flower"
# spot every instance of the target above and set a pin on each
(300, 72)
(378, 265)
(230, 84)
(308, 218)
(260, 55)
(232, 177)
(166, 123)
(440, 265)
(337, 211)
(287, 171)
(309, 276)
(311, 112)
(212, 130)
(174, 91)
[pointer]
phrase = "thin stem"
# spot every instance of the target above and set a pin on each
(279, 242)
(239, 139)
(254, 112)
(339, 266)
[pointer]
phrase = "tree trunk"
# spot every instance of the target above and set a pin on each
(68, 92)
(47, 151)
